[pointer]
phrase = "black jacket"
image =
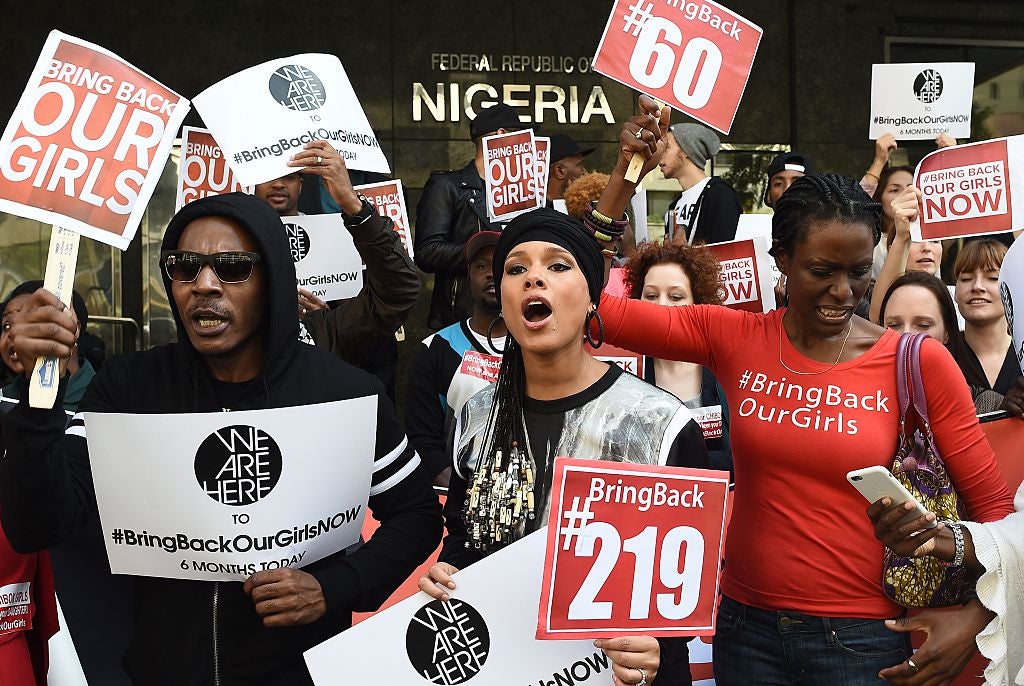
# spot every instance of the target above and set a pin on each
(718, 213)
(358, 326)
(46, 486)
(451, 209)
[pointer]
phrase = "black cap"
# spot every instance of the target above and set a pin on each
(793, 161)
(500, 116)
(563, 146)
(479, 241)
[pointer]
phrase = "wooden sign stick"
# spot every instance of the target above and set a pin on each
(61, 262)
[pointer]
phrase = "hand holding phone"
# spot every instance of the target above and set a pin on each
(875, 483)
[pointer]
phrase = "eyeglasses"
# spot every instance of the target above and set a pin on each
(230, 267)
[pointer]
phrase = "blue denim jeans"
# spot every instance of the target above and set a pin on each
(769, 648)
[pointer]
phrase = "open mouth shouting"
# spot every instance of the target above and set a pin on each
(536, 312)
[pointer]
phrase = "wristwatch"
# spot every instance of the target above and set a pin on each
(364, 213)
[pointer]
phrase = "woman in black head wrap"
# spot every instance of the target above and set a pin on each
(553, 398)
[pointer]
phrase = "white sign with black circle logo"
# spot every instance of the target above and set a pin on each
(265, 114)
(325, 257)
(220, 496)
(920, 100)
(481, 637)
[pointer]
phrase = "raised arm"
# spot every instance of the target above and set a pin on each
(905, 209)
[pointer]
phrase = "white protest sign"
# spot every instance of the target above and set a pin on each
(541, 144)
(970, 190)
(202, 169)
(510, 174)
(918, 101)
(1011, 287)
(265, 114)
(326, 260)
(219, 496)
(754, 225)
(388, 198)
(479, 633)
(87, 141)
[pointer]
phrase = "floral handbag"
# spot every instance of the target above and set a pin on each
(924, 581)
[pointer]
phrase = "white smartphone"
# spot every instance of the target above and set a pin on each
(875, 483)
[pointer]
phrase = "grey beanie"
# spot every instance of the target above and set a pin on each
(698, 142)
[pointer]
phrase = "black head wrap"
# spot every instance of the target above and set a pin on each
(551, 226)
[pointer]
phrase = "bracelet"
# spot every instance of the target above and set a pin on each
(608, 252)
(958, 541)
(877, 177)
(603, 228)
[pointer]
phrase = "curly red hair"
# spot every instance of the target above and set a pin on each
(582, 191)
(698, 263)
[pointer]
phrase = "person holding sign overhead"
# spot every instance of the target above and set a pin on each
(453, 208)
(552, 398)
(812, 396)
(356, 327)
(231, 285)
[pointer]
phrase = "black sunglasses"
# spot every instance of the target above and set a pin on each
(230, 267)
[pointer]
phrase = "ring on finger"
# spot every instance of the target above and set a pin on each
(910, 663)
(319, 160)
(639, 134)
(643, 677)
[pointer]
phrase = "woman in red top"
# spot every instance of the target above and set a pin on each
(811, 391)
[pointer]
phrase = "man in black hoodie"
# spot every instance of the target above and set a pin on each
(238, 350)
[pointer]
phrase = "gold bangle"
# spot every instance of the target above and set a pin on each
(877, 177)
(603, 237)
(600, 217)
(608, 252)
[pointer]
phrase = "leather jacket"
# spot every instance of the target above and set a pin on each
(451, 209)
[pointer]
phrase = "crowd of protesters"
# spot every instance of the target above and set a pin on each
(802, 599)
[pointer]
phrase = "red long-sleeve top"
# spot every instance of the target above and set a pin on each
(800, 539)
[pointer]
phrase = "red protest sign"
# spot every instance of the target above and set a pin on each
(966, 190)
(746, 278)
(87, 141)
(695, 56)
(632, 550)
(389, 199)
(481, 366)
(541, 145)
(203, 170)
(510, 174)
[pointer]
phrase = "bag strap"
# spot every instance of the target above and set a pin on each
(902, 379)
(917, 388)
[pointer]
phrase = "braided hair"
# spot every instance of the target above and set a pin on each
(505, 421)
(817, 198)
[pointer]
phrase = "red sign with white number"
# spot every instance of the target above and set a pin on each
(632, 550)
(695, 56)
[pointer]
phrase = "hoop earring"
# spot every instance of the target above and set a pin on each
(490, 341)
(593, 314)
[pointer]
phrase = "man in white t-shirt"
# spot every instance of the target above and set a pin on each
(707, 211)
